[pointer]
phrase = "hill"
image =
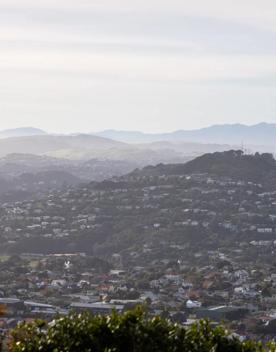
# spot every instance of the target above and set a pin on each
(233, 164)
(87, 147)
(47, 144)
(21, 132)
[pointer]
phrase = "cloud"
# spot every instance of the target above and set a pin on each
(139, 58)
(153, 38)
(199, 26)
(260, 13)
(114, 63)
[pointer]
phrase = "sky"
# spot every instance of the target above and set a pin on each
(150, 65)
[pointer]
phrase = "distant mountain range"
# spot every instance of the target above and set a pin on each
(260, 134)
(235, 134)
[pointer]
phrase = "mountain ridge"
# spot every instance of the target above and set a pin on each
(259, 134)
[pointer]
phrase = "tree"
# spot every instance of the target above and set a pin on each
(132, 332)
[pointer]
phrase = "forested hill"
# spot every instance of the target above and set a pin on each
(233, 163)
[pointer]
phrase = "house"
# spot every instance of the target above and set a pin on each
(43, 309)
(12, 306)
(222, 313)
(100, 308)
(264, 230)
(193, 304)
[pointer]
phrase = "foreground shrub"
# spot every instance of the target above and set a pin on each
(130, 332)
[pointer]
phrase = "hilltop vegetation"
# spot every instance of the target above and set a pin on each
(132, 332)
(234, 164)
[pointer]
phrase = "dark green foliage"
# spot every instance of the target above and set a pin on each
(132, 331)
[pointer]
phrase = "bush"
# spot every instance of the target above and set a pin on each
(130, 332)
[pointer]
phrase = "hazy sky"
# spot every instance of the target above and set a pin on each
(152, 65)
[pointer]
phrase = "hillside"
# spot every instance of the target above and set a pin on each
(184, 204)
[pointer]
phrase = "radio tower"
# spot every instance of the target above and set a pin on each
(242, 147)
